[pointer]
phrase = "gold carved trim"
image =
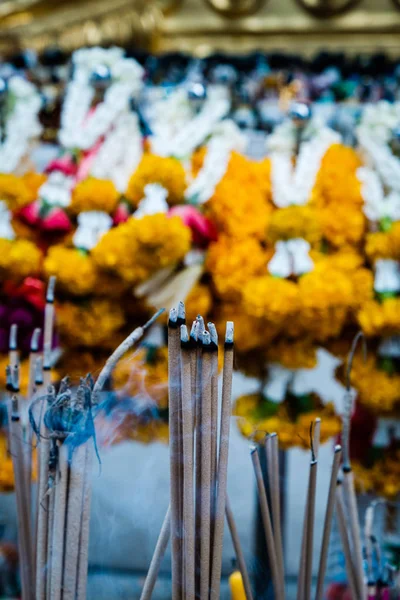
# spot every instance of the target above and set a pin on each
(236, 8)
(325, 9)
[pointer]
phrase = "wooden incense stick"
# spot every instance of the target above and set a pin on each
(158, 555)
(222, 463)
(214, 426)
(83, 557)
(330, 507)
(187, 446)
(354, 527)
(51, 493)
(13, 357)
(31, 388)
(174, 405)
(310, 527)
(60, 505)
(24, 531)
(272, 455)
(77, 465)
(205, 493)
(238, 550)
(200, 330)
(340, 512)
(266, 518)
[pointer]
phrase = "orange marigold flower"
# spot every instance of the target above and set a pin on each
(294, 222)
(384, 244)
(76, 272)
(380, 318)
(168, 172)
(94, 194)
(19, 258)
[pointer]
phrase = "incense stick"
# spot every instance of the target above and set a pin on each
(222, 463)
(13, 358)
(214, 427)
(330, 506)
(60, 502)
(266, 518)
(205, 494)
(271, 450)
(187, 439)
(355, 532)
(85, 523)
(199, 427)
(76, 469)
(238, 550)
(174, 404)
(310, 528)
(351, 575)
(158, 555)
(31, 388)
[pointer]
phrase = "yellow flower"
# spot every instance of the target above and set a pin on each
(18, 191)
(138, 248)
(384, 244)
(145, 379)
(294, 222)
(75, 271)
(380, 318)
(6, 465)
(93, 323)
(94, 194)
(293, 354)
(383, 478)
(231, 262)
(276, 300)
(168, 172)
(19, 258)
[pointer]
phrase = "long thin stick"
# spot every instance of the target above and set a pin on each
(350, 495)
(330, 507)
(60, 504)
(85, 523)
(50, 527)
(222, 463)
(42, 510)
(13, 356)
(31, 387)
(174, 404)
(214, 427)
(24, 535)
(272, 455)
(310, 528)
(266, 518)
(205, 524)
(187, 439)
(74, 508)
(351, 576)
(158, 555)
(199, 428)
(126, 345)
(238, 550)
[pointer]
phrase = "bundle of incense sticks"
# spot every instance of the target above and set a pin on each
(199, 422)
(53, 531)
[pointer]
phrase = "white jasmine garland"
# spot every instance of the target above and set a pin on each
(6, 230)
(387, 276)
(225, 138)
(167, 115)
(22, 123)
(120, 153)
(56, 190)
(291, 257)
(78, 130)
(92, 225)
(377, 206)
(380, 157)
(154, 201)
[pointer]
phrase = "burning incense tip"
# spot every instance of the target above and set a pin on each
(194, 331)
(184, 334)
(181, 312)
(201, 323)
(35, 340)
(273, 435)
(9, 379)
(173, 317)
(338, 448)
(229, 333)
(213, 333)
(50, 289)
(39, 370)
(14, 408)
(13, 337)
(206, 338)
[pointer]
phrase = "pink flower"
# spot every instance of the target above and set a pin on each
(56, 220)
(30, 213)
(64, 163)
(86, 163)
(203, 230)
(121, 213)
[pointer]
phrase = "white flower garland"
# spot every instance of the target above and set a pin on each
(120, 153)
(225, 138)
(78, 130)
(92, 225)
(154, 201)
(6, 229)
(56, 190)
(22, 124)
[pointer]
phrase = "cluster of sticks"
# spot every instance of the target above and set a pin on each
(53, 524)
(199, 424)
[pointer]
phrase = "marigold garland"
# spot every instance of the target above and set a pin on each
(294, 222)
(384, 244)
(381, 319)
(168, 172)
(18, 191)
(76, 273)
(383, 478)
(293, 354)
(19, 258)
(274, 299)
(94, 194)
(138, 248)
